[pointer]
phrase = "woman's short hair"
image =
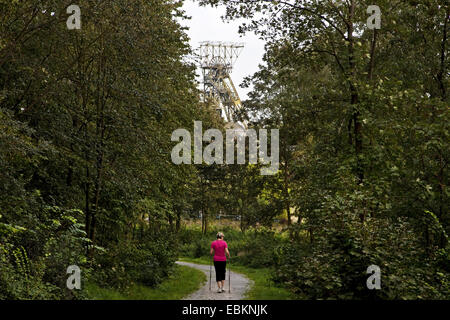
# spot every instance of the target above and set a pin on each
(220, 235)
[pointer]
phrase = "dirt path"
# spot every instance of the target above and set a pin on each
(239, 285)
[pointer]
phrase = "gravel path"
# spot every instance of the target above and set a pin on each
(239, 285)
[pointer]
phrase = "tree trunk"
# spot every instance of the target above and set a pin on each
(354, 99)
(178, 221)
(442, 72)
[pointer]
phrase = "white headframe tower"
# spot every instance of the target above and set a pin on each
(217, 60)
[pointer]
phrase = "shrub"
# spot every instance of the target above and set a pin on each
(334, 266)
(35, 254)
(257, 248)
(22, 279)
(147, 261)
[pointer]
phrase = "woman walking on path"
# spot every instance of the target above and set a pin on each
(220, 248)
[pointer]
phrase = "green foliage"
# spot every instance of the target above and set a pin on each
(148, 261)
(85, 123)
(333, 264)
(35, 256)
(22, 279)
(179, 284)
(364, 142)
(255, 248)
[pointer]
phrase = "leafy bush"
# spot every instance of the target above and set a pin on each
(147, 261)
(21, 278)
(257, 248)
(35, 254)
(334, 265)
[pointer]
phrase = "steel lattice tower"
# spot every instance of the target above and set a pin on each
(217, 60)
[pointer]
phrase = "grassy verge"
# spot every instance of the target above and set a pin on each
(184, 281)
(263, 288)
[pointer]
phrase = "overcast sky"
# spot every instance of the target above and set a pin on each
(206, 25)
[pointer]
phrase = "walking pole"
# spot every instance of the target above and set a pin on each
(210, 267)
(229, 277)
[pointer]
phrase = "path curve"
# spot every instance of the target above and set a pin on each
(239, 285)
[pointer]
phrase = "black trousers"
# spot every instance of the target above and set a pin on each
(221, 270)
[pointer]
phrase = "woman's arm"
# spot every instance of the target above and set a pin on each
(211, 251)
(227, 252)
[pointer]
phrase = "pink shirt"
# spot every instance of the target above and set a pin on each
(219, 250)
